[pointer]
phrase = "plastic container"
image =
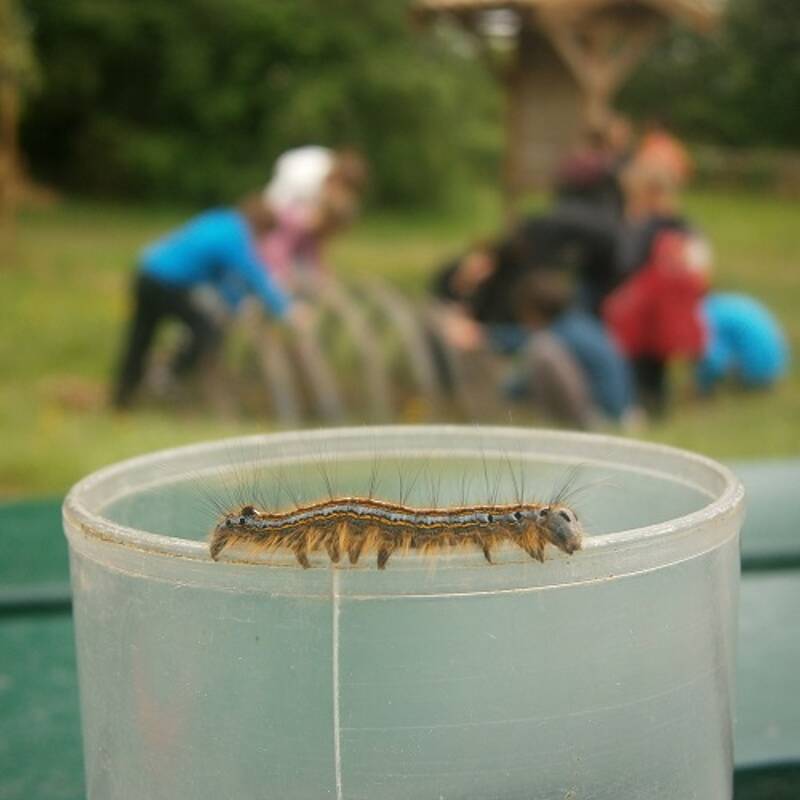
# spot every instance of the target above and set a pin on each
(606, 674)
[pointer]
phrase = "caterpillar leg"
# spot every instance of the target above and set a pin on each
(332, 546)
(485, 545)
(354, 548)
(534, 548)
(301, 554)
(535, 552)
(384, 552)
(532, 542)
(218, 542)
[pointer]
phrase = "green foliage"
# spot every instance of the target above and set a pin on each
(741, 87)
(17, 61)
(193, 100)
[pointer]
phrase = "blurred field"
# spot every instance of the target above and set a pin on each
(64, 283)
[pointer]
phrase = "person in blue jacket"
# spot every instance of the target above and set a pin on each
(744, 342)
(217, 249)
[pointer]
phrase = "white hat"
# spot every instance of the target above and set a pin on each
(298, 178)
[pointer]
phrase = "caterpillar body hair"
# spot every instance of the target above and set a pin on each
(356, 526)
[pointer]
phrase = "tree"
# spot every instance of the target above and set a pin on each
(740, 88)
(194, 100)
(17, 72)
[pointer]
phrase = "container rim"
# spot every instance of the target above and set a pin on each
(82, 519)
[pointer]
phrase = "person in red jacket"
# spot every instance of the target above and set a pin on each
(655, 315)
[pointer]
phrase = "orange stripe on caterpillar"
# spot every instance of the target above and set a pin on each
(354, 525)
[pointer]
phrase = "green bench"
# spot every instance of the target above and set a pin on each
(40, 740)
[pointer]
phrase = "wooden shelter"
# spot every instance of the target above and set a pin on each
(561, 63)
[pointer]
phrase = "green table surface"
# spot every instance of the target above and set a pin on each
(33, 550)
(41, 756)
(40, 742)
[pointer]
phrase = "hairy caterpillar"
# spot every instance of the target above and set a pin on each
(349, 511)
(355, 525)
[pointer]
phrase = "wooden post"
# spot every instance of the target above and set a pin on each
(601, 50)
(544, 111)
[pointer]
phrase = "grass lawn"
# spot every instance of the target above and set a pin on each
(64, 282)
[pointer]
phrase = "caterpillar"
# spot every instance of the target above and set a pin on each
(358, 525)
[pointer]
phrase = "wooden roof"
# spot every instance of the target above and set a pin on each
(701, 14)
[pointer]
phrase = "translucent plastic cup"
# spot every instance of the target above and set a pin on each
(605, 674)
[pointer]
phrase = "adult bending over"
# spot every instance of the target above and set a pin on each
(570, 367)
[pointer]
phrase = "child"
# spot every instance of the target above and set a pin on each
(654, 315)
(314, 194)
(744, 342)
(664, 150)
(301, 177)
(217, 249)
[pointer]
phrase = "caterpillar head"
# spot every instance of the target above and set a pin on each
(230, 526)
(247, 515)
(561, 526)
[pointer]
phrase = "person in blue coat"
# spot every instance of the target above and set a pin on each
(217, 249)
(744, 342)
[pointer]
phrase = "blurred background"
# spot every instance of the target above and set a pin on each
(221, 218)
(474, 126)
